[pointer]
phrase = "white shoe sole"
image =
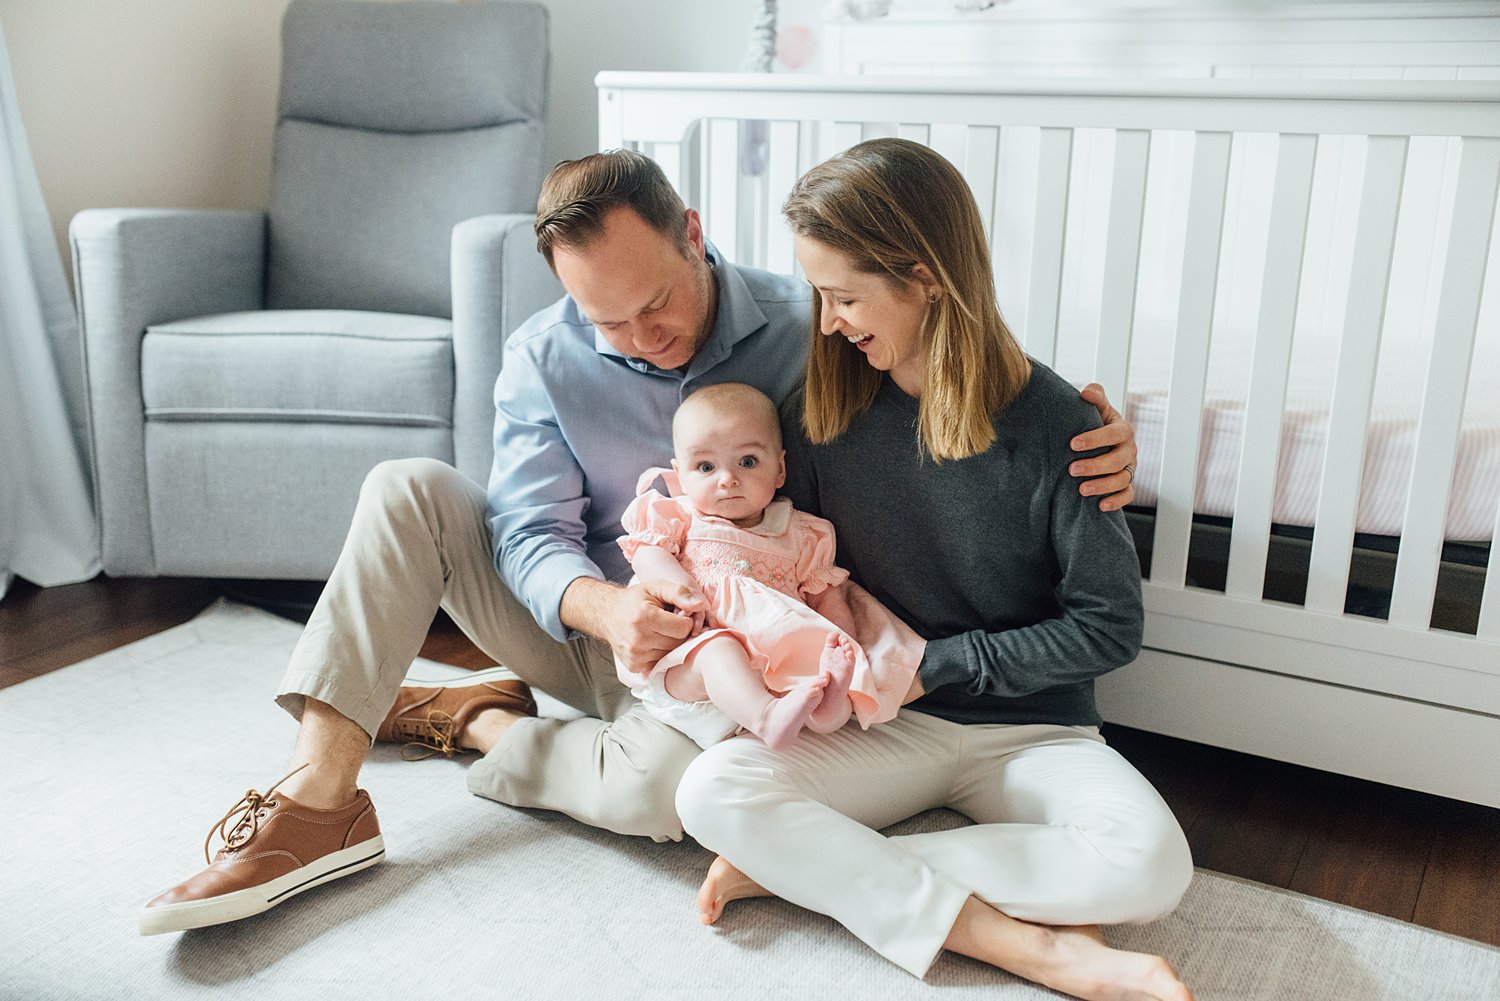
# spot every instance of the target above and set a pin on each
(256, 899)
(416, 679)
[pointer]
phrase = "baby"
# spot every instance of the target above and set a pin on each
(763, 660)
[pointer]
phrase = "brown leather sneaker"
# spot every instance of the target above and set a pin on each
(430, 714)
(274, 848)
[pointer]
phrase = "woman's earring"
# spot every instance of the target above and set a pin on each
(932, 297)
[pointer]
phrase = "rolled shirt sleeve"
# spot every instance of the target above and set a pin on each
(536, 497)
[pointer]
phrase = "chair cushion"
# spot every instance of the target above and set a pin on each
(364, 220)
(264, 500)
(396, 122)
(329, 366)
(414, 67)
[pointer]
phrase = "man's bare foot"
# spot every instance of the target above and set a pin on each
(1072, 960)
(782, 719)
(837, 665)
(722, 884)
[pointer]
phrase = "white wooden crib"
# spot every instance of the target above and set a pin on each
(1286, 282)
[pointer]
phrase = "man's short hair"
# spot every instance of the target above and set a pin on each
(577, 195)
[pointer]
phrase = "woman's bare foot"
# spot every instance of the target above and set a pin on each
(722, 884)
(1072, 960)
(837, 665)
(1079, 963)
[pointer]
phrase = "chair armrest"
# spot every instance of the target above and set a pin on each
(499, 280)
(133, 268)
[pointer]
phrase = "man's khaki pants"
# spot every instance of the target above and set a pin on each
(420, 540)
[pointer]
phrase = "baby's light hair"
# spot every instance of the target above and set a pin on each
(733, 396)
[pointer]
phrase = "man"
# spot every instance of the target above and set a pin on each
(583, 405)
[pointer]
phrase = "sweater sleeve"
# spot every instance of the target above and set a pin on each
(1101, 615)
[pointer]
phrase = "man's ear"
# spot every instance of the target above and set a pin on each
(695, 233)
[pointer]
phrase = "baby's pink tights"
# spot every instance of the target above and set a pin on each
(739, 690)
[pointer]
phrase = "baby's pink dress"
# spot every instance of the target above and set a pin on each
(756, 580)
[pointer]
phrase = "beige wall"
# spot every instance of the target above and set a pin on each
(171, 102)
(146, 102)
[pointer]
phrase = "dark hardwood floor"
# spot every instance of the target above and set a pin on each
(1408, 855)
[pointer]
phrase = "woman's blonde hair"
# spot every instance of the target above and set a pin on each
(890, 205)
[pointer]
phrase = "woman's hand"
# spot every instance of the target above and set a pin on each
(1109, 476)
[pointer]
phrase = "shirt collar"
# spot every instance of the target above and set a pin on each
(739, 316)
(773, 524)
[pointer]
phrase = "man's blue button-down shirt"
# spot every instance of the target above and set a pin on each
(577, 422)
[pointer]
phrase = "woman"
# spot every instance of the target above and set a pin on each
(937, 449)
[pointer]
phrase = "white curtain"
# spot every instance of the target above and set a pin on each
(48, 534)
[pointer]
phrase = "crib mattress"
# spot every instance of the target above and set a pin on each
(1389, 441)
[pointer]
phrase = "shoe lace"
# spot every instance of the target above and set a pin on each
(247, 824)
(438, 735)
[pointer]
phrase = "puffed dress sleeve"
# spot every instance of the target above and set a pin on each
(815, 551)
(654, 520)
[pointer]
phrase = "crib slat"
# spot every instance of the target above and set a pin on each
(669, 156)
(1443, 398)
(829, 138)
(754, 191)
(1354, 382)
(846, 134)
(917, 133)
(950, 140)
(781, 173)
(721, 203)
(693, 154)
(979, 159)
(1053, 167)
(1489, 602)
(1179, 470)
(1122, 253)
(1255, 492)
(1014, 220)
(972, 151)
(809, 149)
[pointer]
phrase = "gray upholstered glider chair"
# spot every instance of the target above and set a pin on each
(246, 369)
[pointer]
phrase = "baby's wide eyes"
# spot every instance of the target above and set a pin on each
(749, 462)
(704, 467)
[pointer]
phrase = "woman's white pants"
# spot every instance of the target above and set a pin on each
(1065, 831)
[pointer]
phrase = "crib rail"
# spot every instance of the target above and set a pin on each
(1297, 204)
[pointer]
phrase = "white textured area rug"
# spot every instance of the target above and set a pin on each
(115, 768)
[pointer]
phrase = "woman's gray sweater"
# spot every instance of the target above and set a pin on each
(1023, 589)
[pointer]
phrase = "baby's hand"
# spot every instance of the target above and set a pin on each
(696, 609)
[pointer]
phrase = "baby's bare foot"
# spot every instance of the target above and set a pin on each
(722, 884)
(783, 718)
(836, 665)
